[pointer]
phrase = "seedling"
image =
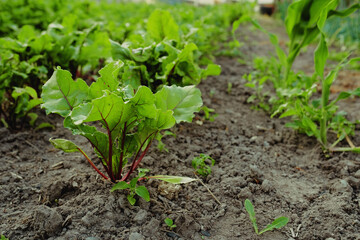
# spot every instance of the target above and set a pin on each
(169, 222)
(201, 168)
(3, 238)
(23, 100)
(209, 113)
(276, 224)
(229, 87)
(130, 118)
(161, 146)
(294, 91)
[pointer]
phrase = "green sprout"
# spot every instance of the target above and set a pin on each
(276, 224)
(201, 168)
(170, 223)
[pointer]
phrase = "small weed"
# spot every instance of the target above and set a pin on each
(201, 168)
(170, 223)
(229, 87)
(209, 113)
(276, 224)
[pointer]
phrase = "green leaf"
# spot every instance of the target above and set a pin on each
(211, 70)
(144, 101)
(276, 224)
(33, 103)
(45, 125)
(143, 192)
(173, 179)
(236, 24)
(33, 117)
(250, 209)
(96, 46)
(26, 90)
(312, 128)
(131, 199)
(169, 222)
(320, 56)
(108, 80)
(184, 101)
(345, 12)
(26, 33)
(162, 120)
(109, 109)
(161, 25)
(65, 145)
(98, 139)
(120, 52)
(61, 93)
(120, 186)
(133, 183)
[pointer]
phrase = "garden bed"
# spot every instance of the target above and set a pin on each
(48, 194)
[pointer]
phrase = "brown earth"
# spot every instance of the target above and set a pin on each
(47, 194)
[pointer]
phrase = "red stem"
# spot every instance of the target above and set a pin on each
(93, 165)
(102, 163)
(122, 152)
(109, 163)
(142, 156)
(110, 154)
(137, 162)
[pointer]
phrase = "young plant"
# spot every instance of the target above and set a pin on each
(23, 100)
(276, 224)
(229, 88)
(209, 113)
(3, 238)
(161, 146)
(199, 165)
(170, 223)
(130, 118)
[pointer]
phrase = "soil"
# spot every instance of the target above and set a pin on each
(48, 194)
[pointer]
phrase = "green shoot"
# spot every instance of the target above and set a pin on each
(276, 224)
(201, 168)
(169, 222)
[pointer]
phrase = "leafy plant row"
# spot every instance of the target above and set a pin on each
(296, 93)
(159, 45)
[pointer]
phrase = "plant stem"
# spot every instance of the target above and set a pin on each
(122, 151)
(142, 156)
(109, 162)
(106, 169)
(110, 153)
(135, 162)
(92, 164)
(345, 149)
(323, 120)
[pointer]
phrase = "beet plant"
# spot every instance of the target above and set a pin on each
(130, 119)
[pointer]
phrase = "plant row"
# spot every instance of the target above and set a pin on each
(304, 99)
(158, 45)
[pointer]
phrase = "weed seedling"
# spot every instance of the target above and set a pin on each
(170, 223)
(276, 224)
(209, 113)
(229, 87)
(201, 168)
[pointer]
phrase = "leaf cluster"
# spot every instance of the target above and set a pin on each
(131, 119)
(200, 166)
(158, 46)
(295, 91)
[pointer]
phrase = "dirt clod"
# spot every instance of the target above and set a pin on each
(46, 221)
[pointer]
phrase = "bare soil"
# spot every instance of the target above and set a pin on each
(48, 194)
